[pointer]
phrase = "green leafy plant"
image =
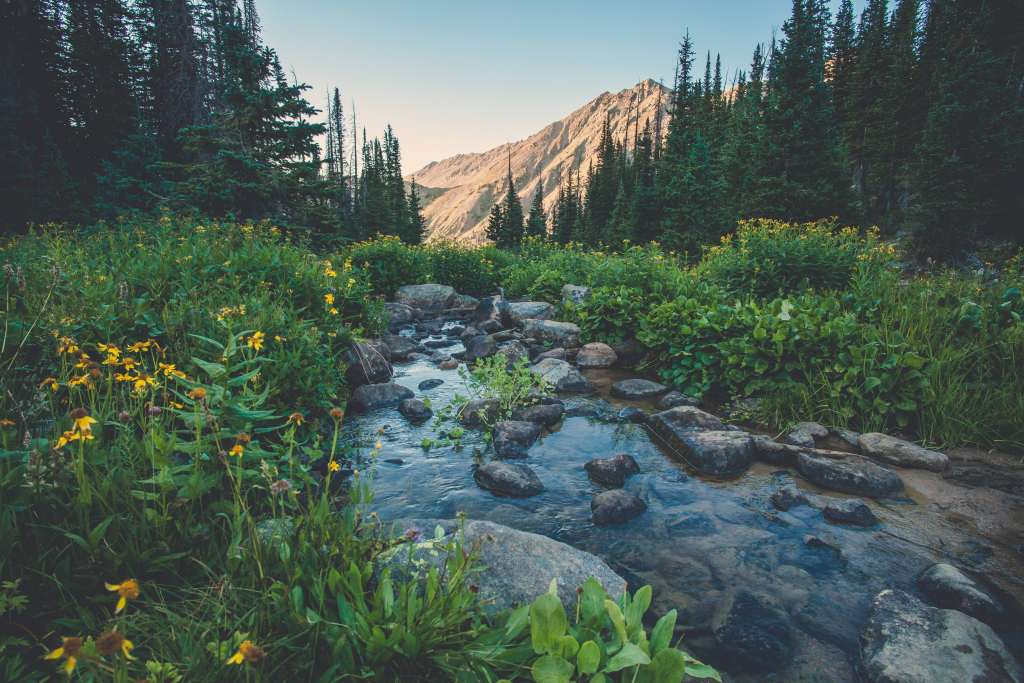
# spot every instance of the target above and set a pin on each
(511, 387)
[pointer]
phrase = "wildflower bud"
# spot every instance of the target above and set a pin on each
(124, 416)
(79, 413)
(154, 411)
(337, 414)
(96, 373)
(243, 438)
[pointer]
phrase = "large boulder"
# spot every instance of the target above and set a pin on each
(612, 471)
(398, 314)
(723, 453)
(562, 376)
(517, 566)
(552, 332)
(637, 389)
(432, 298)
(596, 355)
(852, 474)
(518, 311)
(901, 453)
(415, 410)
(508, 479)
(369, 362)
(400, 346)
(513, 438)
(479, 411)
(752, 634)
(615, 507)
(370, 397)
(574, 294)
(491, 309)
(906, 641)
(945, 586)
(547, 414)
(684, 418)
(482, 346)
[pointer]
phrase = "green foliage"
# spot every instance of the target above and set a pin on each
(609, 314)
(469, 271)
(388, 263)
(606, 641)
(511, 386)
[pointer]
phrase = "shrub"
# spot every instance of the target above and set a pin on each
(609, 314)
(388, 263)
(469, 271)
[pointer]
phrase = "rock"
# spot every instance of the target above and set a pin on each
(561, 376)
(398, 314)
(518, 311)
(772, 452)
(901, 453)
(632, 414)
(906, 641)
(505, 335)
(369, 362)
(853, 511)
(440, 343)
(400, 346)
(478, 412)
(517, 566)
(596, 355)
(574, 294)
(637, 389)
(674, 399)
(547, 414)
(490, 326)
(710, 452)
(491, 308)
(512, 438)
(615, 507)
(415, 410)
(686, 418)
(431, 297)
(464, 302)
(479, 347)
(552, 332)
(370, 397)
(513, 351)
(752, 634)
(612, 471)
(428, 384)
(468, 333)
(448, 364)
(508, 479)
(853, 474)
(945, 586)
(847, 437)
(826, 542)
(556, 353)
(788, 497)
(805, 434)
(630, 352)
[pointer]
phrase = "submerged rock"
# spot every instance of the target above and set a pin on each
(906, 641)
(429, 384)
(788, 497)
(562, 376)
(945, 586)
(415, 410)
(615, 507)
(512, 438)
(517, 566)
(752, 634)
(508, 479)
(853, 474)
(632, 414)
(552, 332)
(429, 297)
(637, 389)
(853, 511)
(370, 397)
(596, 355)
(714, 452)
(612, 471)
(547, 414)
(901, 453)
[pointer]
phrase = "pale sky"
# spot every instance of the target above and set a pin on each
(455, 76)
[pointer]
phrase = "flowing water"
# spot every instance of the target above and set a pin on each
(702, 539)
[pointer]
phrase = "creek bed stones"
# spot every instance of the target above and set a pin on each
(637, 389)
(478, 412)
(674, 399)
(515, 480)
(552, 332)
(370, 397)
(415, 410)
(513, 438)
(945, 586)
(612, 471)
(429, 297)
(547, 414)
(369, 362)
(616, 507)
(482, 346)
(753, 634)
(562, 376)
(901, 453)
(596, 355)
(853, 511)
(428, 384)
(400, 346)
(702, 441)
(518, 311)
(855, 475)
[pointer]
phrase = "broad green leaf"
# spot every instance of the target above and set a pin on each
(551, 669)
(615, 614)
(213, 370)
(547, 624)
(517, 621)
(629, 655)
(669, 666)
(661, 634)
(588, 658)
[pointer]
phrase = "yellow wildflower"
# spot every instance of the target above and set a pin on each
(6, 422)
(170, 370)
(68, 651)
(126, 590)
(332, 310)
(110, 642)
(237, 450)
(197, 394)
(255, 341)
(143, 382)
(296, 418)
(82, 422)
(333, 466)
(329, 299)
(51, 383)
(247, 652)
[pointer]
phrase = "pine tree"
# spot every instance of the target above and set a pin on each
(416, 229)
(537, 223)
(513, 225)
(496, 224)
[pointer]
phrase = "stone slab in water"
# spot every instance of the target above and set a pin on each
(562, 376)
(615, 507)
(428, 384)
(906, 641)
(371, 397)
(415, 410)
(612, 471)
(427, 297)
(852, 474)
(479, 411)
(517, 566)
(637, 389)
(547, 414)
(513, 438)
(945, 586)
(752, 634)
(400, 346)
(901, 453)
(684, 418)
(853, 511)
(508, 479)
(722, 453)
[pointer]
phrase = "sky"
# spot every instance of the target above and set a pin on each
(454, 76)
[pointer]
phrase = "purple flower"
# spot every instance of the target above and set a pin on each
(413, 534)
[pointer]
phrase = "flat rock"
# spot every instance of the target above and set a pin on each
(517, 566)
(415, 410)
(400, 346)
(945, 586)
(596, 355)
(772, 452)
(428, 384)
(574, 294)
(370, 397)
(853, 474)
(709, 452)
(369, 362)
(562, 376)
(518, 311)
(552, 332)
(427, 297)
(483, 346)
(615, 507)
(547, 414)
(508, 479)
(612, 471)
(752, 634)
(852, 511)
(478, 412)
(674, 399)
(513, 438)
(805, 434)
(398, 314)
(556, 353)
(787, 497)
(901, 453)
(637, 389)
(906, 641)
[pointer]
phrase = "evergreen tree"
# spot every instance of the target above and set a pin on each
(496, 224)
(416, 227)
(537, 223)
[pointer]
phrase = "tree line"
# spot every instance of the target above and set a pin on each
(110, 107)
(910, 117)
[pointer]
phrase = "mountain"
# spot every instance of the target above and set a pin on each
(465, 186)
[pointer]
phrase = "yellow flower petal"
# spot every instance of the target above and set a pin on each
(69, 666)
(236, 658)
(121, 602)
(55, 654)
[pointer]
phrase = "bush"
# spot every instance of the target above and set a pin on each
(388, 263)
(609, 314)
(469, 271)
